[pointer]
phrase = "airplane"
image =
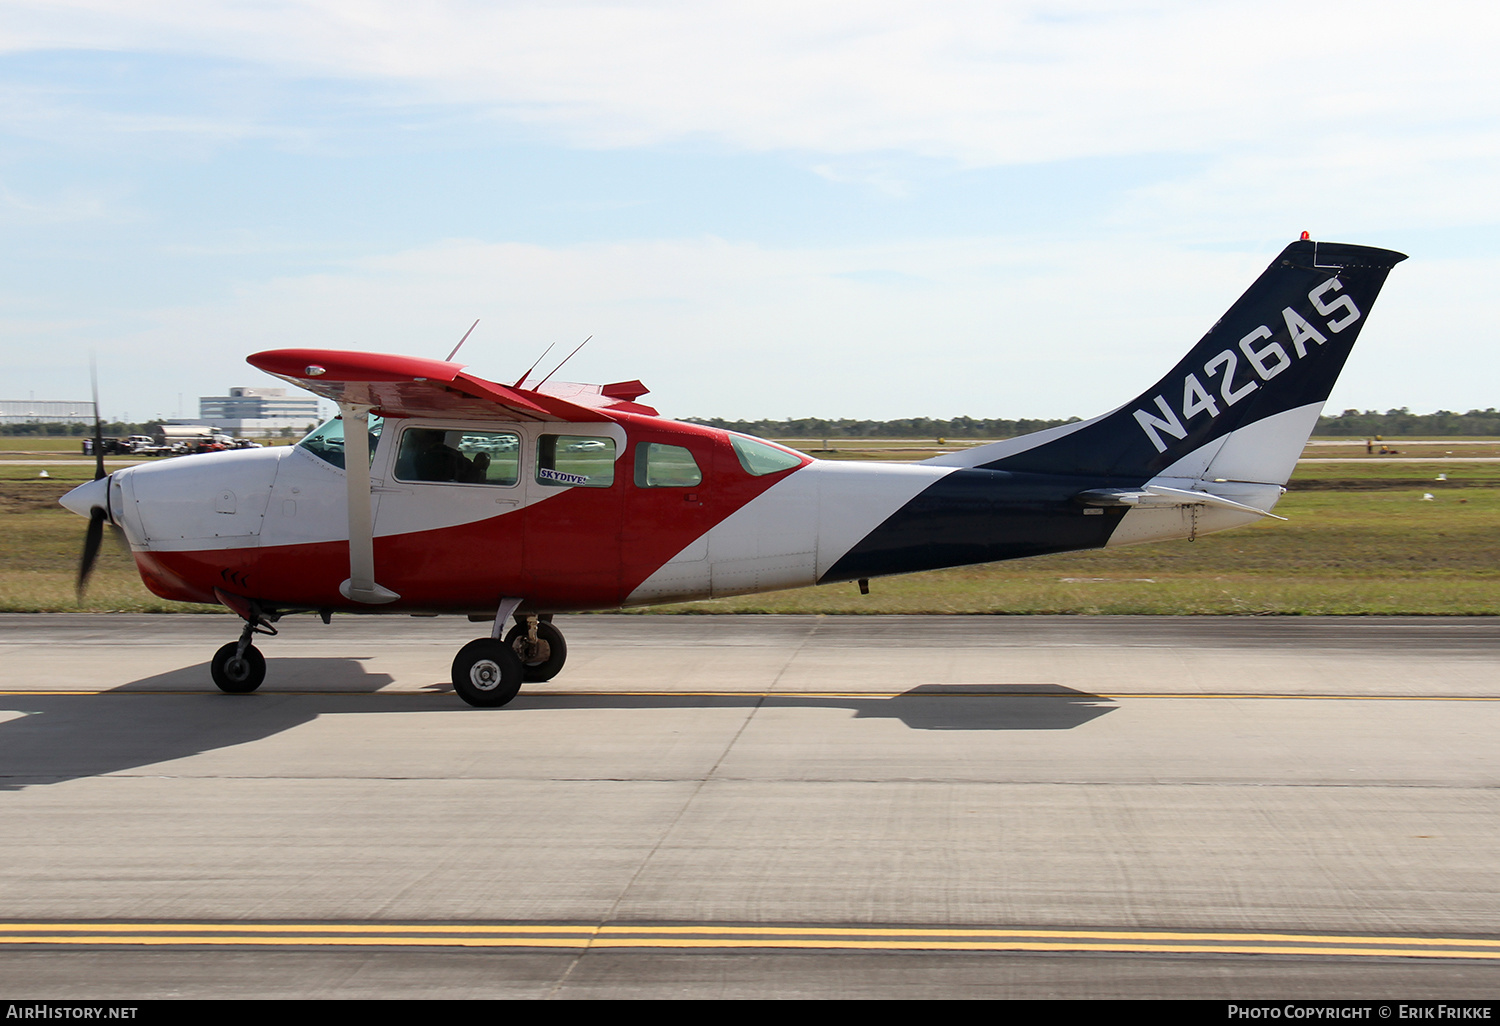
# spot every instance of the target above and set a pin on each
(435, 491)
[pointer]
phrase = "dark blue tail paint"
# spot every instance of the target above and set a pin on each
(1279, 348)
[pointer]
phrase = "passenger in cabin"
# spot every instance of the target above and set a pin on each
(435, 459)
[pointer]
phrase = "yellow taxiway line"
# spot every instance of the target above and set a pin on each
(728, 937)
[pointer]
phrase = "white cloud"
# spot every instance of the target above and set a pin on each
(978, 82)
(1357, 121)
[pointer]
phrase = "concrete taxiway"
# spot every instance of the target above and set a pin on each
(737, 806)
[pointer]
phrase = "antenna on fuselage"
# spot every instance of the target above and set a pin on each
(522, 379)
(565, 359)
(463, 340)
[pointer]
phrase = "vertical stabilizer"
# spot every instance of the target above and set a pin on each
(1241, 404)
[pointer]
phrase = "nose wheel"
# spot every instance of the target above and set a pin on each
(238, 668)
(238, 672)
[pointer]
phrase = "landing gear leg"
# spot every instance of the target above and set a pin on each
(540, 647)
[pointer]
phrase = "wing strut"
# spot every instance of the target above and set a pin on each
(361, 586)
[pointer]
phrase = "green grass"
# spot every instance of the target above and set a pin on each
(71, 474)
(14, 444)
(1385, 552)
(1361, 542)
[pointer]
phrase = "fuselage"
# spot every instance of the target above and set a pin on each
(627, 511)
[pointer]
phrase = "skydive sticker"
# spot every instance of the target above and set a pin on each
(561, 477)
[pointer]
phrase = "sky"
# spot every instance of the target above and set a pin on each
(762, 210)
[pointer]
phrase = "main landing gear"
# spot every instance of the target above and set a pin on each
(489, 672)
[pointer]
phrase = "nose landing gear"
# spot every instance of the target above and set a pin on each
(238, 668)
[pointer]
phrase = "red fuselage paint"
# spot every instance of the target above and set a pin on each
(583, 548)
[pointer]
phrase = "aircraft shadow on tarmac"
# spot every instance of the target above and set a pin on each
(926, 707)
(60, 737)
(65, 737)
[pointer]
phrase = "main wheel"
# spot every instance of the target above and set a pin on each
(487, 673)
(236, 674)
(543, 660)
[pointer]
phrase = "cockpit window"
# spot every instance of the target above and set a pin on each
(327, 443)
(760, 459)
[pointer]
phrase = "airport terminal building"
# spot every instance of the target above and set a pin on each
(248, 412)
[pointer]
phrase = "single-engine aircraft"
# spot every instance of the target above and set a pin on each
(436, 491)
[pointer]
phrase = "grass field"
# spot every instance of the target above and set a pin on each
(1361, 540)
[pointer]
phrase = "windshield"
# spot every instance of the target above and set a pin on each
(761, 458)
(327, 443)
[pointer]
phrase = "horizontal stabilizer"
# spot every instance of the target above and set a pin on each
(1162, 496)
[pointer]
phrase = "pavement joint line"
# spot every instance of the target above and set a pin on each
(722, 936)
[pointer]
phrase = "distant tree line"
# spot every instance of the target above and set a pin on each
(55, 429)
(914, 427)
(1394, 423)
(1369, 423)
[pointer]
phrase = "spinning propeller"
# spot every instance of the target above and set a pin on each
(97, 498)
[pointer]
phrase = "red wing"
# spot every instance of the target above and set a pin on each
(410, 386)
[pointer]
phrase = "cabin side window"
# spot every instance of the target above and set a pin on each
(583, 461)
(459, 456)
(327, 442)
(665, 466)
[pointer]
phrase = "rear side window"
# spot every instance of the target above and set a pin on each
(459, 456)
(665, 466)
(581, 461)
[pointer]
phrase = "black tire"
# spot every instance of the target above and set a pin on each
(551, 651)
(486, 673)
(238, 676)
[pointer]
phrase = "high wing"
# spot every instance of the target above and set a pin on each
(409, 386)
(366, 384)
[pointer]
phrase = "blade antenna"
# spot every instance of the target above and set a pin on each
(554, 370)
(521, 380)
(463, 340)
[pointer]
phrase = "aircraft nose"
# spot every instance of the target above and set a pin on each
(85, 497)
